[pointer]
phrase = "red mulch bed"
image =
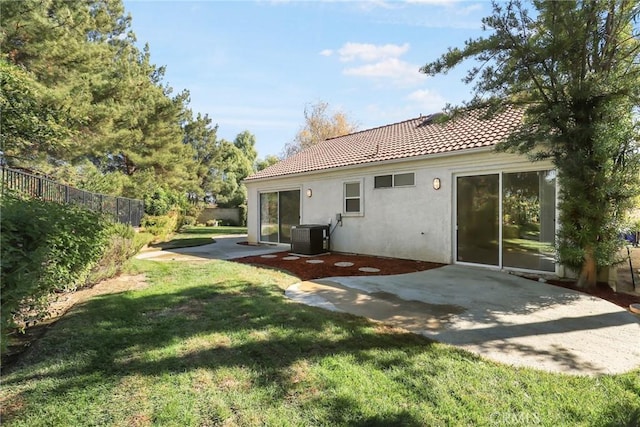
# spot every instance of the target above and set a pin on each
(603, 291)
(306, 271)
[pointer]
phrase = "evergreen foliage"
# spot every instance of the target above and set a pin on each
(77, 89)
(234, 161)
(201, 136)
(574, 66)
(269, 160)
(30, 122)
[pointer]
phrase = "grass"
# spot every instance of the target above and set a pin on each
(213, 231)
(217, 343)
(190, 236)
(526, 245)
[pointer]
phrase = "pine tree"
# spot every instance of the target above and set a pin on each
(117, 112)
(202, 138)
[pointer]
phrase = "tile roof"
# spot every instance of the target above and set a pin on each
(421, 136)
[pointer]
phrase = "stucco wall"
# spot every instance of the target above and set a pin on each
(404, 222)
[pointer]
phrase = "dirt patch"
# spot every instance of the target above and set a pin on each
(115, 285)
(63, 302)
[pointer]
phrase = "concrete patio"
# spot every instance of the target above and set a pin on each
(499, 316)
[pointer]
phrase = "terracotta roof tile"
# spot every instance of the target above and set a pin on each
(412, 138)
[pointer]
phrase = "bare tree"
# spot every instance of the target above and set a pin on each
(319, 125)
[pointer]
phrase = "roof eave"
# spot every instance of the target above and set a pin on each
(379, 162)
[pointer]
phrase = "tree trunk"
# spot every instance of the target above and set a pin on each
(589, 271)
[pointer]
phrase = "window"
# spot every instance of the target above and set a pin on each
(383, 181)
(352, 197)
(395, 180)
(403, 179)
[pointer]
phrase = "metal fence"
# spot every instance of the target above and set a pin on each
(122, 209)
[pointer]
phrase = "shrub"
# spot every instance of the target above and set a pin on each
(158, 203)
(212, 223)
(44, 247)
(123, 244)
(160, 226)
(243, 215)
(162, 201)
(188, 220)
(193, 210)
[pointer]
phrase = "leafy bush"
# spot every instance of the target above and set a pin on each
(188, 220)
(44, 247)
(212, 223)
(193, 210)
(243, 215)
(142, 238)
(157, 204)
(123, 244)
(162, 201)
(160, 226)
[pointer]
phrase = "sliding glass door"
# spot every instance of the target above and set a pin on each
(478, 230)
(269, 217)
(289, 202)
(507, 220)
(279, 211)
(528, 220)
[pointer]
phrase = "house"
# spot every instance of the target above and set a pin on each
(419, 189)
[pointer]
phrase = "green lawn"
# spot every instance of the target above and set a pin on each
(217, 344)
(190, 236)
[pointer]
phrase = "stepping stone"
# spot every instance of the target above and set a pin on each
(315, 261)
(343, 264)
(268, 256)
(369, 269)
(291, 258)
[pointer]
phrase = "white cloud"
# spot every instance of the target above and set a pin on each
(427, 101)
(378, 62)
(399, 72)
(370, 52)
(468, 9)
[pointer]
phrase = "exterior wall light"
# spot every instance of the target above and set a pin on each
(436, 183)
(309, 192)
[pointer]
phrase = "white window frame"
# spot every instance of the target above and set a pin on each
(500, 172)
(380, 176)
(360, 197)
(404, 173)
(393, 180)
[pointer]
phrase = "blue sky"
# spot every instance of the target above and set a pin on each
(255, 65)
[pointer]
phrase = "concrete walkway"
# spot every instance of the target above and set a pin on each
(225, 247)
(500, 316)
